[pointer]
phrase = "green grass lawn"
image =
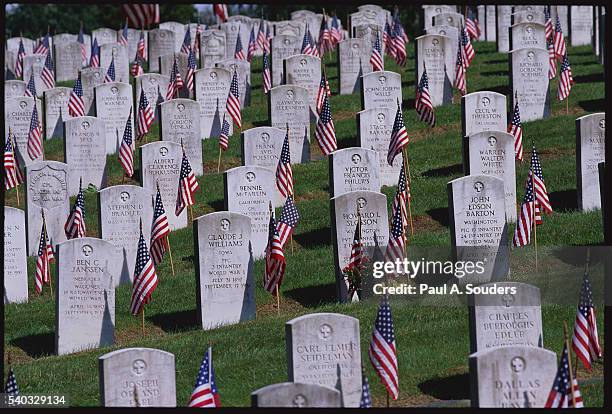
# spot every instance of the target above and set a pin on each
(433, 341)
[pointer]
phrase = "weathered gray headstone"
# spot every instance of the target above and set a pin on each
(305, 71)
(509, 314)
(296, 395)
(311, 19)
(289, 104)
(381, 89)
(160, 163)
(180, 121)
(90, 78)
(581, 25)
(482, 111)
(155, 87)
(353, 169)
(47, 184)
(14, 88)
(528, 16)
(476, 206)
(429, 11)
(368, 32)
(446, 30)
(504, 21)
(211, 89)
(151, 372)
(232, 29)
(225, 288)
(133, 38)
(482, 17)
(68, 61)
(85, 305)
(527, 35)
(161, 42)
(249, 190)
(34, 64)
(282, 46)
(529, 77)
(243, 69)
(179, 32)
(13, 44)
(353, 62)
(120, 209)
(324, 349)
(56, 101)
(104, 35)
(450, 19)
(374, 229)
(528, 8)
(122, 61)
(290, 28)
(491, 23)
(17, 116)
(262, 146)
(512, 377)
(15, 265)
(434, 53)
(85, 152)
(563, 12)
(166, 62)
(213, 48)
(113, 104)
(374, 128)
(590, 151)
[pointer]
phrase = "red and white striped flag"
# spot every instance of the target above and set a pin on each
(224, 134)
(566, 80)
(44, 259)
(423, 105)
(399, 136)
(205, 393)
(325, 38)
(126, 148)
(549, 32)
(238, 50)
(552, 60)
(188, 185)
(31, 87)
(468, 49)
(397, 238)
(145, 115)
(141, 15)
(94, 60)
(12, 173)
(460, 75)
(81, 41)
(140, 46)
(585, 340)
(110, 72)
(526, 219)
(191, 68)
(564, 393)
(274, 271)
(42, 47)
(145, 277)
(265, 73)
(76, 106)
(262, 39)
(376, 59)
(402, 195)
(322, 92)
(35, 144)
(539, 188)
(515, 128)
(233, 102)
(560, 49)
(288, 220)
(357, 258)
(382, 351)
(284, 173)
(176, 82)
(160, 230)
(123, 35)
(252, 45)
(325, 132)
(220, 11)
(137, 67)
(471, 24)
(75, 225)
(21, 53)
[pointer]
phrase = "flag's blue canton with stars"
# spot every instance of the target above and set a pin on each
(110, 73)
(382, 349)
(399, 136)
(145, 277)
(585, 340)
(205, 393)
(561, 390)
(11, 387)
(284, 173)
(31, 88)
(539, 188)
(75, 225)
(76, 106)
(366, 398)
(325, 133)
(288, 221)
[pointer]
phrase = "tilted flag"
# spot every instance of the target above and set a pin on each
(140, 46)
(224, 134)
(31, 86)
(188, 185)
(145, 115)
(322, 92)
(423, 105)
(160, 230)
(265, 73)
(400, 27)
(176, 82)
(284, 174)
(468, 49)
(81, 41)
(21, 53)
(232, 104)
(335, 31)
(399, 44)
(325, 132)
(515, 128)
(562, 394)
(262, 39)
(382, 351)
(402, 195)
(376, 59)
(12, 173)
(357, 259)
(75, 225)
(76, 105)
(539, 188)
(388, 41)
(123, 36)
(549, 32)
(205, 393)
(220, 11)
(44, 259)
(137, 67)
(110, 72)
(94, 60)
(288, 221)
(585, 340)
(524, 224)
(126, 148)
(560, 49)
(191, 68)
(460, 81)
(552, 59)
(325, 39)
(43, 46)
(252, 48)
(399, 136)
(397, 238)
(186, 46)
(35, 145)
(308, 47)
(238, 51)
(11, 387)
(48, 72)
(145, 277)
(274, 271)
(141, 15)
(471, 24)
(366, 397)
(566, 80)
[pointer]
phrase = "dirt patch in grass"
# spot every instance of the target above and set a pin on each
(287, 306)
(311, 195)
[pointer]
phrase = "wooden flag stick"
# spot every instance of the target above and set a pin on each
(535, 224)
(219, 161)
(49, 241)
(170, 254)
(388, 402)
(569, 363)
(142, 320)
(191, 213)
(408, 184)
(277, 299)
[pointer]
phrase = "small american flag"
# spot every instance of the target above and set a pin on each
(11, 387)
(43, 46)
(94, 60)
(35, 145)
(191, 68)
(399, 44)
(366, 398)
(308, 47)
(566, 80)
(123, 37)
(275, 259)
(12, 173)
(382, 352)
(560, 49)
(549, 32)
(110, 72)
(322, 91)
(515, 128)
(186, 46)
(44, 259)
(325, 39)
(262, 39)
(126, 148)
(176, 82)
(81, 40)
(159, 231)
(552, 59)
(468, 49)
(137, 67)
(75, 225)
(336, 33)
(220, 11)
(325, 133)
(205, 393)
(423, 105)
(76, 106)
(288, 220)
(541, 194)
(31, 87)
(252, 45)
(233, 102)
(399, 136)
(376, 59)
(266, 79)
(145, 115)
(388, 42)
(284, 174)
(357, 258)
(460, 76)
(562, 395)
(145, 277)
(188, 185)
(140, 46)
(238, 51)
(224, 134)
(21, 53)
(141, 15)
(397, 238)
(585, 340)
(471, 24)
(522, 232)
(268, 39)
(401, 197)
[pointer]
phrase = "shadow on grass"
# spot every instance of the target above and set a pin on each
(217, 205)
(37, 345)
(455, 387)
(576, 255)
(440, 215)
(565, 200)
(593, 77)
(503, 89)
(496, 61)
(316, 237)
(313, 296)
(593, 105)
(180, 321)
(494, 73)
(260, 123)
(408, 103)
(444, 171)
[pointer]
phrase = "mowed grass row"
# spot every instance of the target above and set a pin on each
(433, 341)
